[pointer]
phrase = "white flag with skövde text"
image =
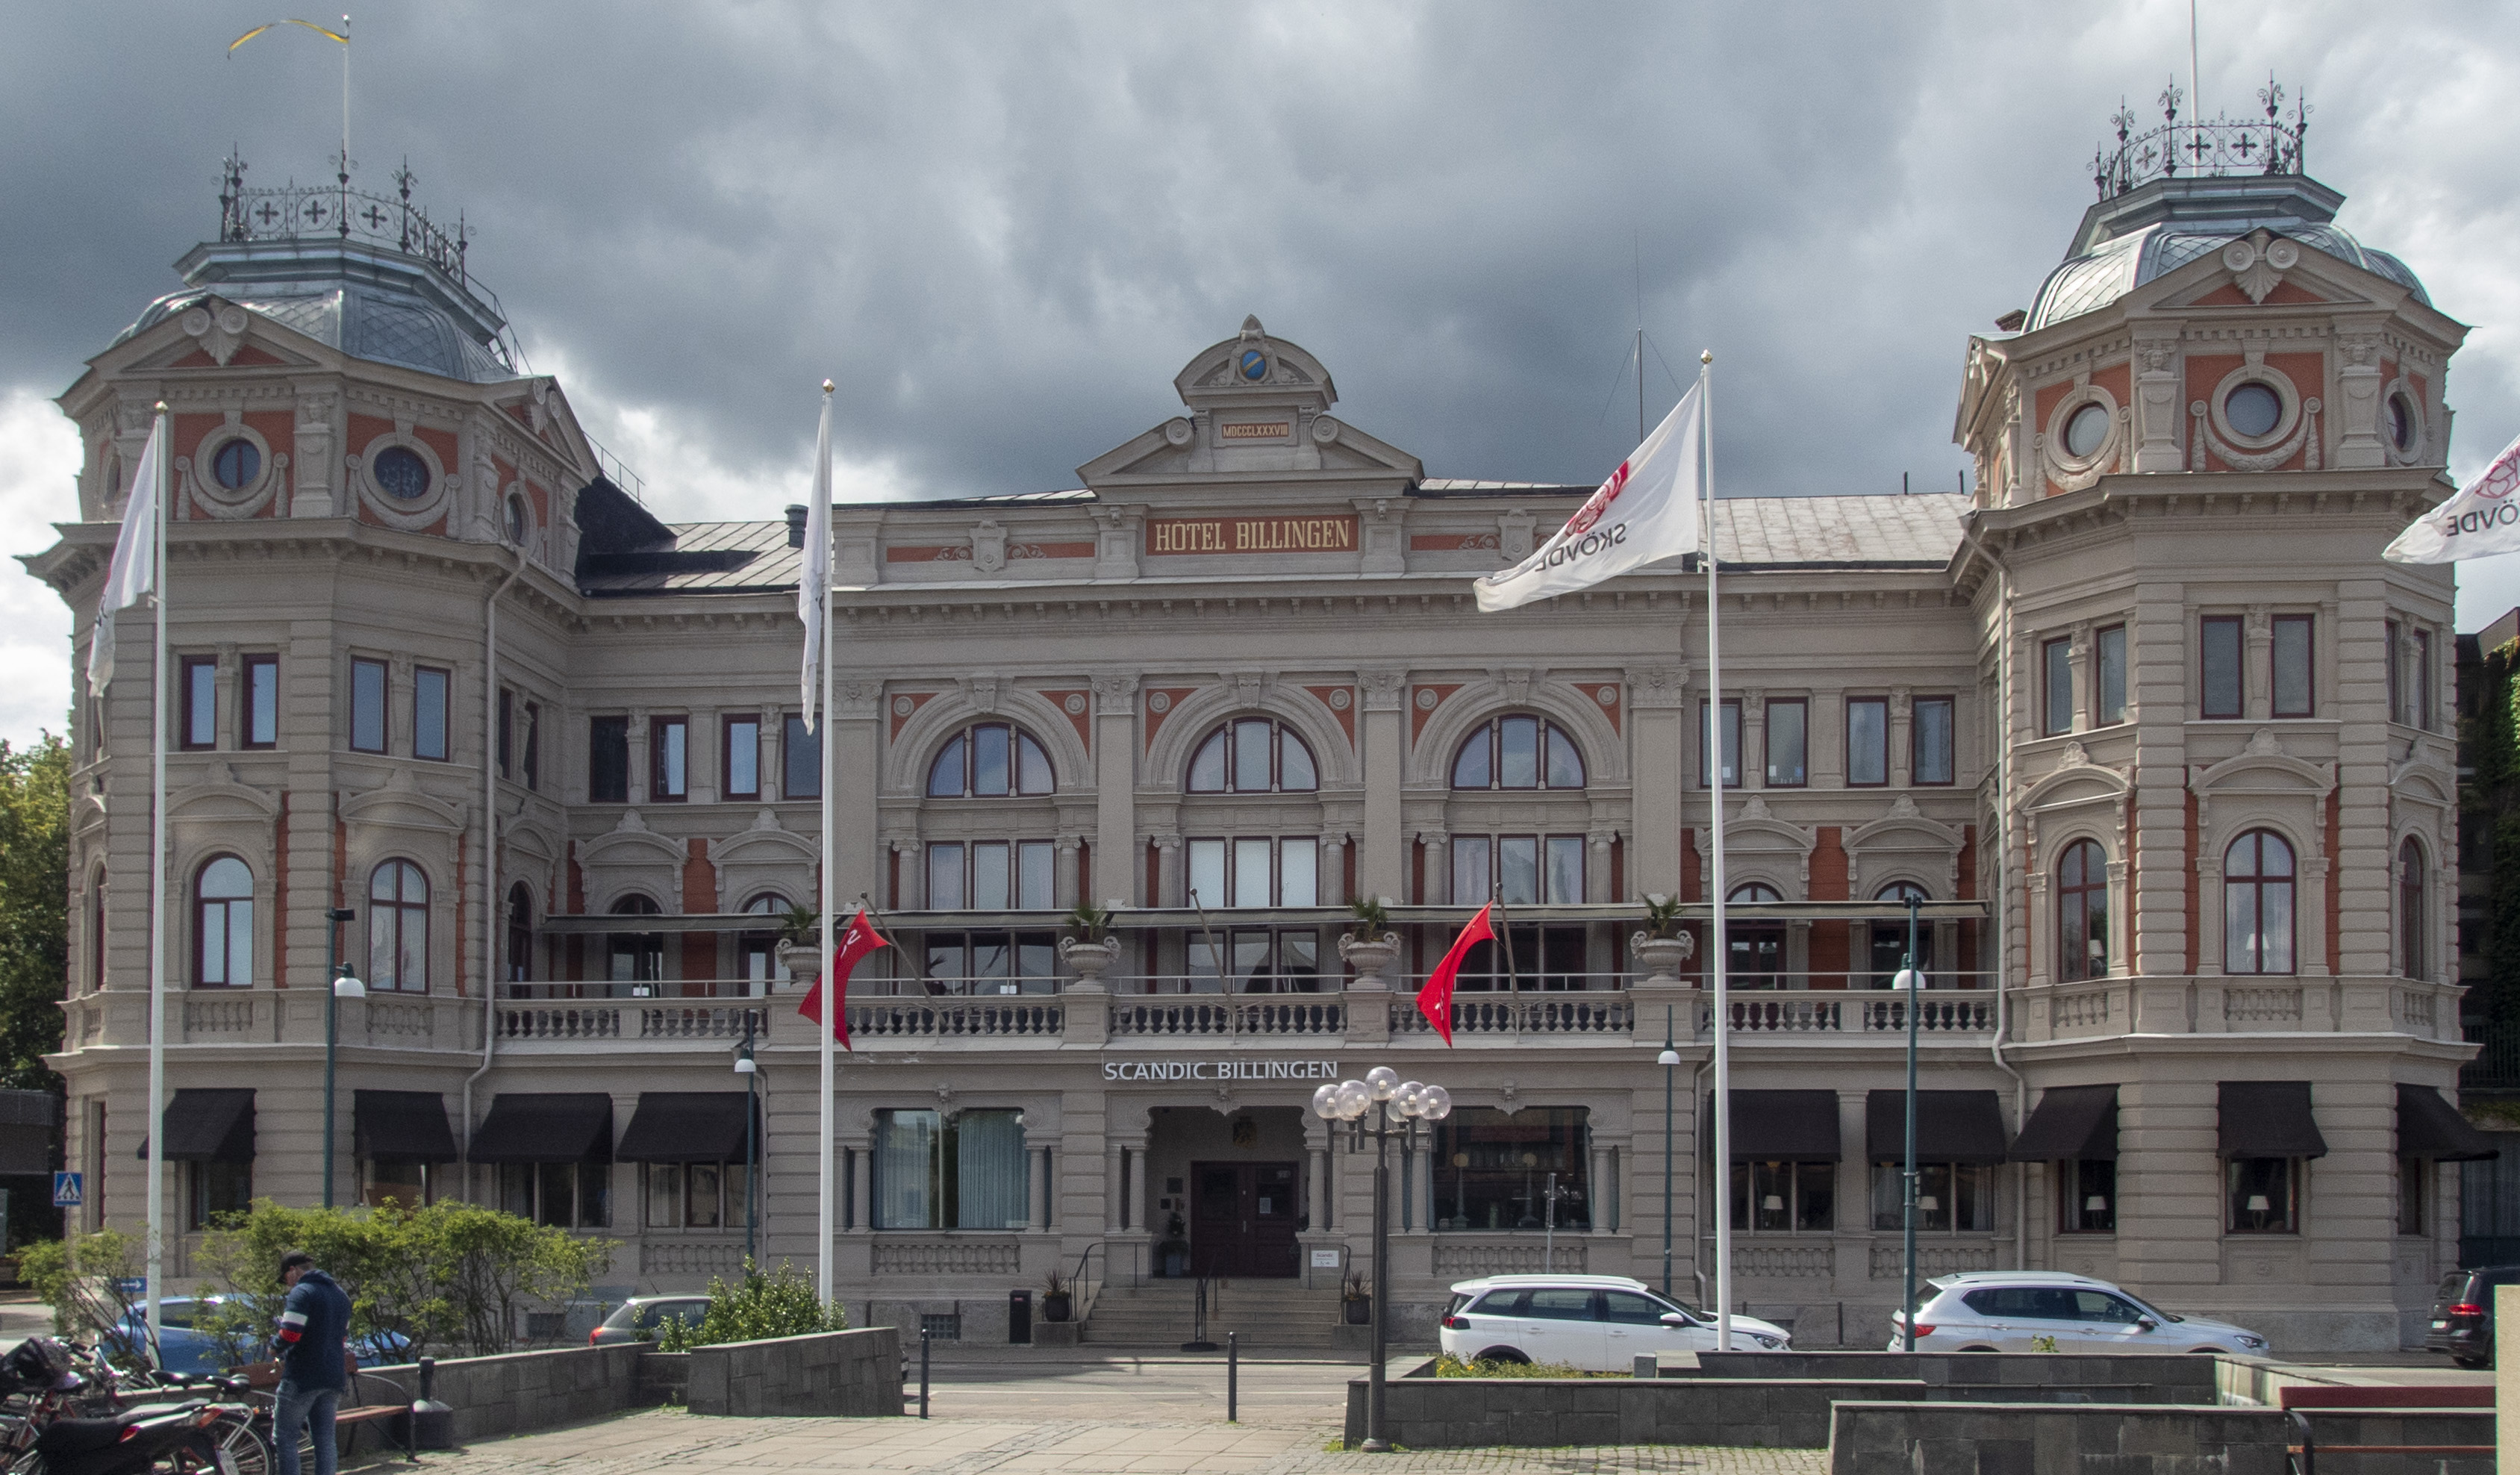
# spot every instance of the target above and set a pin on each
(134, 571)
(814, 577)
(1647, 511)
(2483, 519)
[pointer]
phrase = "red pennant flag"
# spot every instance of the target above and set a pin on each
(1435, 999)
(855, 943)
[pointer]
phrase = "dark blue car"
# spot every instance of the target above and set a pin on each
(185, 1350)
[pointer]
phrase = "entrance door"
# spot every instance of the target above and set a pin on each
(1242, 1219)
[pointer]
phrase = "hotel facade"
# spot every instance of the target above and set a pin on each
(2155, 741)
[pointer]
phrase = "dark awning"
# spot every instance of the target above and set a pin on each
(208, 1127)
(685, 1127)
(402, 1126)
(1780, 1126)
(2429, 1126)
(1952, 1127)
(555, 1126)
(2268, 1119)
(2070, 1121)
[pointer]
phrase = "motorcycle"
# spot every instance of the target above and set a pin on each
(182, 1438)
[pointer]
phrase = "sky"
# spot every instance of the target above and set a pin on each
(1003, 228)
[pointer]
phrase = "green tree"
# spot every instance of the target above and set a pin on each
(34, 908)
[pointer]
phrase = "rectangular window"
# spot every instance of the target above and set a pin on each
(216, 1188)
(1565, 856)
(199, 676)
(1492, 1171)
(1299, 870)
(1784, 1198)
(802, 755)
(506, 730)
(742, 758)
(1930, 740)
(2109, 677)
(429, 687)
(261, 718)
(1788, 725)
(1034, 873)
(607, 760)
(1952, 1198)
(1206, 873)
(1470, 881)
(558, 1195)
(399, 1182)
(1250, 881)
(668, 760)
(1868, 742)
(1731, 730)
(2294, 685)
(1518, 870)
(945, 877)
(367, 706)
(534, 744)
(2056, 685)
(2087, 1198)
(2393, 657)
(2423, 714)
(969, 1171)
(2218, 666)
(2415, 1183)
(2262, 1195)
(992, 879)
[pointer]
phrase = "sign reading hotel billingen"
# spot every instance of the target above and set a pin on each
(1220, 1070)
(1252, 535)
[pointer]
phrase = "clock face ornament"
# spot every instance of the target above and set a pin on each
(1254, 364)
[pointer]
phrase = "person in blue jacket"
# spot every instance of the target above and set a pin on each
(313, 1348)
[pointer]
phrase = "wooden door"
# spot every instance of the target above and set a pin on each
(1242, 1219)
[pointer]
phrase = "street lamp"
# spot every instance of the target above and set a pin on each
(1392, 1100)
(1669, 1060)
(745, 1067)
(344, 985)
(1909, 981)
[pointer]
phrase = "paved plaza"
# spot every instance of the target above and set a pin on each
(1118, 1415)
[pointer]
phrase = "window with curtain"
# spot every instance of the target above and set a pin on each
(2294, 682)
(692, 1195)
(2086, 1196)
(1952, 1198)
(988, 963)
(964, 1170)
(1258, 960)
(558, 1195)
(990, 875)
(399, 928)
(2081, 912)
(1518, 870)
(2410, 907)
(989, 760)
(1730, 717)
(223, 924)
(1252, 756)
(2109, 676)
(1784, 1198)
(1788, 745)
(2261, 1195)
(2218, 666)
(1254, 871)
(1929, 740)
(1868, 742)
(2258, 905)
(2056, 684)
(1493, 1170)
(1517, 753)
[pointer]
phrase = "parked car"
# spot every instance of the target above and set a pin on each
(637, 1319)
(1599, 1323)
(2025, 1310)
(2462, 1319)
(184, 1349)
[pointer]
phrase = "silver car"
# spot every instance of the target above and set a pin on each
(2051, 1310)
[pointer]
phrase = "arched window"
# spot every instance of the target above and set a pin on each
(989, 760)
(2410, 907)
(399, 928)
(1754, 949)
(1890, 938)
(1518, 752)
(636, 956)
(520, 933)
(756, 954)
(2081, 912)
(2257, 905)
(223, 925)
(1253, 755)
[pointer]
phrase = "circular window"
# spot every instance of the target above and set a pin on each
(2086, 432)
(2402, 424)
(521, 522)
(236, 464)
(2253, 410)
(401, 473)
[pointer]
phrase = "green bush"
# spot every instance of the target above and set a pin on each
(84, 1280)
(1451, 1367)
(779, 1304)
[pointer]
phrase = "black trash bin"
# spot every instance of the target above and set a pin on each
(1020, 1316)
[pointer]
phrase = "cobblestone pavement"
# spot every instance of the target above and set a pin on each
(1116, 1415)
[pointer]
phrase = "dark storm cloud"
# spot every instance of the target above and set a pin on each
(1004, 228)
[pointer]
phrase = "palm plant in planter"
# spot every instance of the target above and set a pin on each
(1057, 1297)
(1090, 950)
(1355, 1299)
(800, 932)
(1662, 947)
(1373, 947)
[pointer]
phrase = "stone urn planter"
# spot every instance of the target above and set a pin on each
(1373, 958)
(1088, 962)
(796, 961)
(1662, 956)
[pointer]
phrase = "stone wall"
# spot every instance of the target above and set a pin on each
(854, 1372)
(1957, 1439)
(2180, 1378)
(1455, 1413)
(524, 1390)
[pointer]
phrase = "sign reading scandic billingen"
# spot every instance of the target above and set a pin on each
(1220, 1070)
(1252, 535)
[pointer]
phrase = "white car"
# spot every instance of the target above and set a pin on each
(1599, 1323)
(2041, 1310)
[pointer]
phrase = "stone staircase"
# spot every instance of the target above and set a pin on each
(1273, 1315)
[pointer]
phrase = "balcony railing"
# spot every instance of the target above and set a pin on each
(1009, 1020)
(626, 1019)
(1559, 1014)
(1297, 1015)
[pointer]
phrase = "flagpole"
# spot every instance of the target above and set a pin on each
(827, 1216)
(1715, 833)
(156, 1119)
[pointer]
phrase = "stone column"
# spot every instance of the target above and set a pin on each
(1439, 867)
(855, 730)
(1064, 892)
(1601, 1193)
(770, 773)
(1754, 737)
(2156, 420)
(2259, 664)
(2080, 647)
(1334, 871)
(1657, 703)
(2356, 415)
(1596, 873)
(703, 767)
(1382, 863)
(1903, 743)
(1172, 885)
(859, 1199)
(227, 720)
(1116, 852)
(638, 724)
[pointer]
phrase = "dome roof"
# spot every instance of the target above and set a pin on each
(369, 302)
(2162, 225)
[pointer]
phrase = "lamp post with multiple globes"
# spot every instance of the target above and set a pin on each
(1392, 1101)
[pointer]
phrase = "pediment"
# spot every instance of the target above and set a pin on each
(765, 842)
(218, 334)
(221, 797)
(1756, 829)
(2076, 780)
(2424, 782)
(1904, 827)
(2262, 768)
(401, 805)
(2265, 268)
(630, 842)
